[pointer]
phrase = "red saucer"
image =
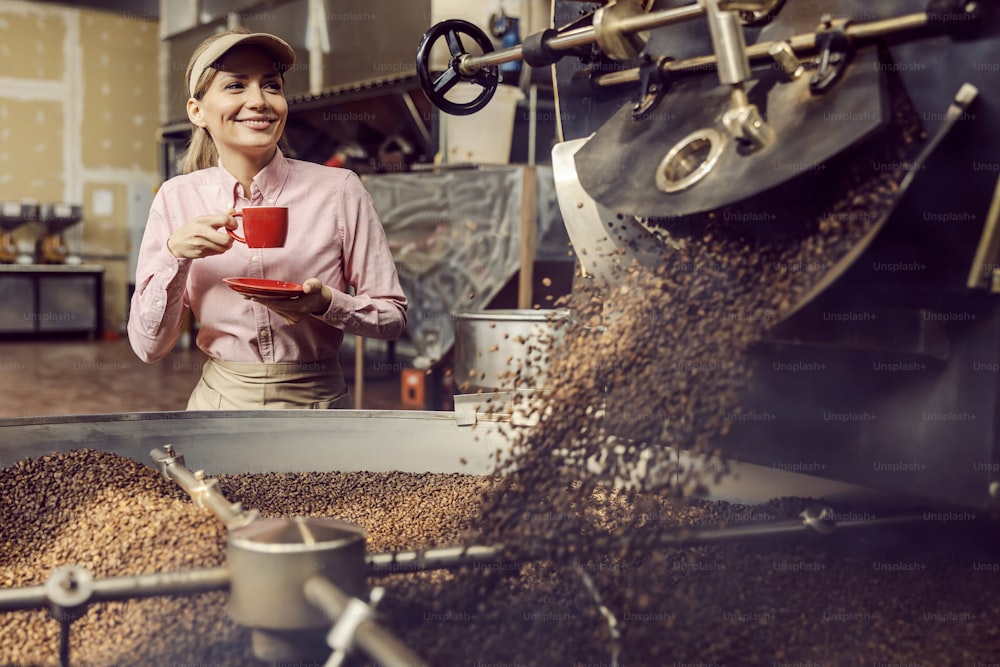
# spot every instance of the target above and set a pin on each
(264, 287)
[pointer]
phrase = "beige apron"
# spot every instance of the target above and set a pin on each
(227, 385)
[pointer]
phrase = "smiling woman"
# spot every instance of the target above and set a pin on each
(250, 65)
(334, 244)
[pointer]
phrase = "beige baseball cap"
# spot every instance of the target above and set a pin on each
(279, 49)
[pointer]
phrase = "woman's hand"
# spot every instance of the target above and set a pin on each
(202, 237)
(315, 301)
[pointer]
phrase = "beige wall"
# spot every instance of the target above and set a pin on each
(535, 15)
(78, 119)
(120, 98)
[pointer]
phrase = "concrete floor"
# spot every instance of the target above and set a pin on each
(74, 377)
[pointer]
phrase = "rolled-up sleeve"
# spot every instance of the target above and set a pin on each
(377, 309)
(156, 315)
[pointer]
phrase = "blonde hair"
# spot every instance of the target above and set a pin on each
(201, 152)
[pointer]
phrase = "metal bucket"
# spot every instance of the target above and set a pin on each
(505, 349)
(271, 561)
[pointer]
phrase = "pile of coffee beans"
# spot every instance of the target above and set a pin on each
(114, 517)
(117, 517)
(845, 600)
(896, 599)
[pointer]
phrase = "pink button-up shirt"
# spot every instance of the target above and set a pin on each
(334, 234)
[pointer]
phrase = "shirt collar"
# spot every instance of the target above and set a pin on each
(266, 185)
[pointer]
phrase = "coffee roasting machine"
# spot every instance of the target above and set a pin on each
(669, 111)
(885, 373)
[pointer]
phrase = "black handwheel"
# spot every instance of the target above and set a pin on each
(487, 77)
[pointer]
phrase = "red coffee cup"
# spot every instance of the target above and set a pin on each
(263, 226)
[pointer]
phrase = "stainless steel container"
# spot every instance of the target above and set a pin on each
(271, 560)
(233, 442)
(506, 349)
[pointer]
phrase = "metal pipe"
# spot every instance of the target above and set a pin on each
(699, 537)
(696, 537)
(470, 64)
(377, 642)
(204, 492)
(28, 597)
(984, 266)
(532, 123)
(417, 123)
(153, 585)
(739, 97)
(633, 24)
(729, 45)
(571, 39)
(441, 558)
(497, 556)
(888, 26)
(800, 44)
(64, 649)
(125, 588)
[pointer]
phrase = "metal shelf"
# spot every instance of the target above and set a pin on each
(52, 299)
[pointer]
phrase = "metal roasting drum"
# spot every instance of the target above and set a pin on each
(300, 583)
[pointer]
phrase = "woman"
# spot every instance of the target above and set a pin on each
(263, 352)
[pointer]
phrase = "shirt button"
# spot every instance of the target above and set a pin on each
(255, 259)
(263, 333)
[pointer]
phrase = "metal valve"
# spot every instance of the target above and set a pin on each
(619, 28)
(68, 591)
(745, 124)
(743, 120)
(437, 89)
